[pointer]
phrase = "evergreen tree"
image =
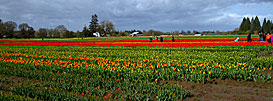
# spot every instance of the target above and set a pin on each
(268, 24)
(93, 25)
(242, 25)
(252, 24)
(271, 27)
(264, 27)
(247, 24)
(257, 24)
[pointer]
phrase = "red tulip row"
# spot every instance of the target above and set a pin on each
(182, 40)
(133, 44)
(154, 40)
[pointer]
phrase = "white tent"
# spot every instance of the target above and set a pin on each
(134, 34)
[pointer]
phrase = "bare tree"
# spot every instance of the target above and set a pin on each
(26, 30)
(9, 28)
(109, 28)
(31, 32)
(43, 32)
(106, 27)
(101, 28)
(84, 32)
(61, 30)
(24, 27)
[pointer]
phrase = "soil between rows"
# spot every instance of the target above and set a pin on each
(226, 90)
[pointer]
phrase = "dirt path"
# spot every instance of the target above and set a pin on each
(266, 55)
(228, 90)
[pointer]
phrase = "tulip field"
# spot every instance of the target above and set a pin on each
(131, 68)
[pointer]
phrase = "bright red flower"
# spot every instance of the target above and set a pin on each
(53, 78)
(82, 93)
(118, 89)
(87, 92)
(105, 97)
(117, 80)
(118, 73)
(21, 83)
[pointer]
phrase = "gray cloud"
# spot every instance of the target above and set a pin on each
(164, 15)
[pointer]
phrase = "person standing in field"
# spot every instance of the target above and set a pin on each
(151, 39)
(271, 38)
(264, 37)
(161, 39)
(261, 36)
(268, 38)
(249, 38)
(156, 39)
(172, 38)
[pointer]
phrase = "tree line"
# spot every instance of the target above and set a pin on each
(253, 26)
(10, 29)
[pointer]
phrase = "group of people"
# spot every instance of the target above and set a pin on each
(263, 37)
(161, 39)
(266, 37)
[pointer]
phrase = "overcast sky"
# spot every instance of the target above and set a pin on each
(163, 15)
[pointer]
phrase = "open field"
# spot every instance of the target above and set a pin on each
(131, 68)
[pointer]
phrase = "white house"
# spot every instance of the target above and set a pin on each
(97, 34)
